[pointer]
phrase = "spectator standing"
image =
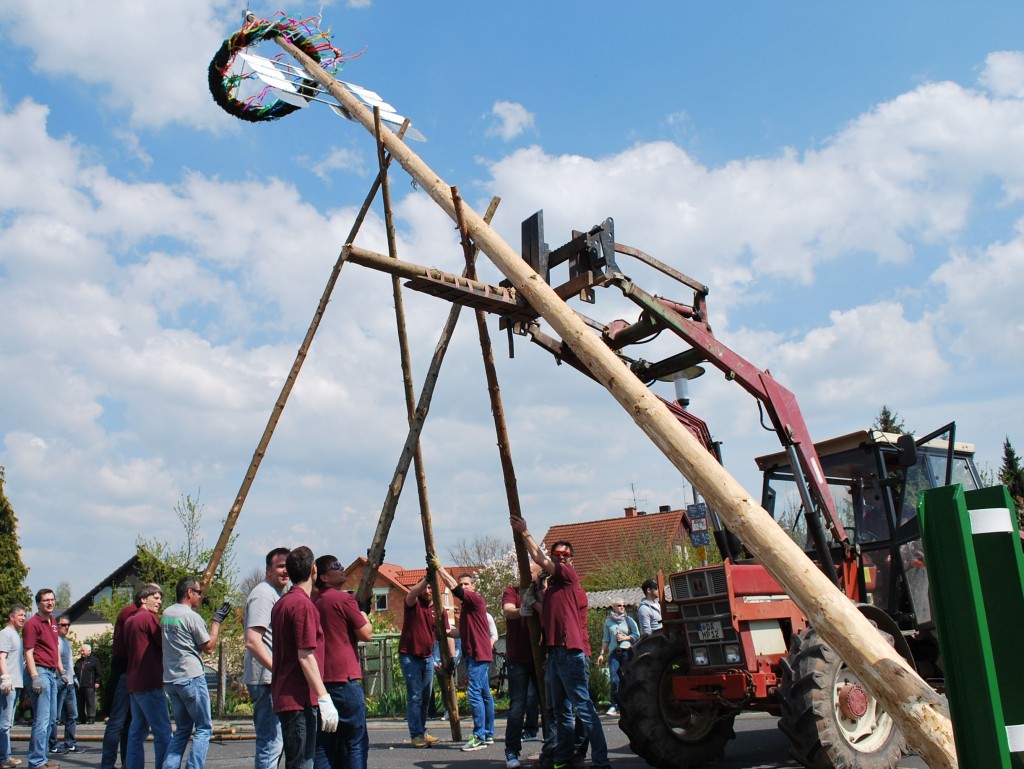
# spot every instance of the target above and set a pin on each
(42, 661)
(144, 680)
(88, 671)
(185, 639)
(478, 652)
(620, 633)
(67, 699)
(648, 613)
(11, 680)
(297, 686)
(259, 645)
(565, 635)
(415, 656)
(344, 626)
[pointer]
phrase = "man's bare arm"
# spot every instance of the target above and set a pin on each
(307, 663)
(539, 556)
(258, 649)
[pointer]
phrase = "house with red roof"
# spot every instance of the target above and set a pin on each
(392, 584)
(595, 543)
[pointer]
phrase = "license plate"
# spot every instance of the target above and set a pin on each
(709, 631)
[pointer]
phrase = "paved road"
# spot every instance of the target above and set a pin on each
(758, 745)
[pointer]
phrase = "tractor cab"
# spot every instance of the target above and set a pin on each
(875, 479)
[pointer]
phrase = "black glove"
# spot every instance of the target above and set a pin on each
(364, 604)
(222, 612)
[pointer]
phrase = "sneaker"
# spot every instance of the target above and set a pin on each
(474, 743)
(420, 742)
(530, 736)
(611, 711)
(512, 761)
(489, 739)
(431, 739)
(60, 750)
(73, 749)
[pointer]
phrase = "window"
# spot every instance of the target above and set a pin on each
(380, 599)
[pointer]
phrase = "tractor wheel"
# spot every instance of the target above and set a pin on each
(829, 716)
(665, 734)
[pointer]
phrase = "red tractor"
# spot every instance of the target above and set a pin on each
(733, 640)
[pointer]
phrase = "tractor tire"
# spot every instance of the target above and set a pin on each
(663, 733)
(830, 718)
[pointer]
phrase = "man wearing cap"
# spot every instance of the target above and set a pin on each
(42, 661)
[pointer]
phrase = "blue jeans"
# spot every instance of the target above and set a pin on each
(569, 689)
(67, 706)
(478, 692)
(44, 716)
(6, 722)
(118, 716)
(522, 690)
(418, 673)
(346, 748)
(298, 730)
(190, 701)
(149, 711)
(269, 742)
(615, 661)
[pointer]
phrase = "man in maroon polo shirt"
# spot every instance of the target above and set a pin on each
(344, 626)
(415, 653)
(42, 661)
(475, 632)
(297, 688)
(145, 680)
(568, 675)
(116, 702)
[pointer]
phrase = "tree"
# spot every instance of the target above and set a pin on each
(640, 558)
(492, 562)
(63, 594)
(889, 422)
(1012, 477)
(12, 570)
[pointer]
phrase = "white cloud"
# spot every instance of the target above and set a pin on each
(338, 159)
(1003, 74)
(512, 119)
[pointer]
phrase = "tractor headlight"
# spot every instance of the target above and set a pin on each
(732, 653)
(700, 656)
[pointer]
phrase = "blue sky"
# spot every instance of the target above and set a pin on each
(848, 180)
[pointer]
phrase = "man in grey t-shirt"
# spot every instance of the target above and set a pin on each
(11, 663)
(185, 638)
(259, 658)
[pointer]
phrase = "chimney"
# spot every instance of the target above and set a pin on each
(664, 508)
(631, 512)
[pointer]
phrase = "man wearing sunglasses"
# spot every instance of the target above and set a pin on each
(568, 676)
(344, 626)
(67, 701)
(185, 640)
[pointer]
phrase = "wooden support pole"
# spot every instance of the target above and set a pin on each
(289, 383)
(913, 705)
(508, 469)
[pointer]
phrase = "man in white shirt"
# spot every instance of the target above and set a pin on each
(11, 679)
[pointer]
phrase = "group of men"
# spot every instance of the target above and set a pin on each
(38, 649)
(302, 665)
(302, 669)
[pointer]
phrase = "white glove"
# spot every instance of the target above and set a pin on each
(328, 713)
(6, 687)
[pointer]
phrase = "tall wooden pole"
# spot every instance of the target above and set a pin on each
(913, 705)
(289, 383)
(508, 469)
